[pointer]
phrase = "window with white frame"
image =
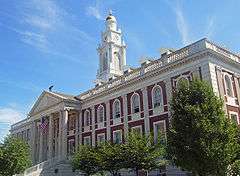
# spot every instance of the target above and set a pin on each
(117, 137)
(100, 114)
(101, 138)
(157, 96)
(135, 103)
(87, 118)
(228, 85)
(234, 117)
(87, 140)
(116, 109)
(159, 130)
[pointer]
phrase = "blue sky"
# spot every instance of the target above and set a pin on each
(53, 42)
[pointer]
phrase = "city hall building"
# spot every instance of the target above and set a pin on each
(122, 100)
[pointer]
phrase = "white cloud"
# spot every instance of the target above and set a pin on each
(210, 27)
(9, 115)
(95, 11)
(182, 25)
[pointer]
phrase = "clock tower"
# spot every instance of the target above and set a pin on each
(112, 51)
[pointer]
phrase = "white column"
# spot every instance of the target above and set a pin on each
(40, 145)
(76, 130)
(80, 128)
(50, 137)
(125, 107)
(108, 120)
(145, 107)
(93, 126)
(60, 127)
(64, 133)
(33, 141)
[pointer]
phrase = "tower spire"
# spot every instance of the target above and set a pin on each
(112, 51)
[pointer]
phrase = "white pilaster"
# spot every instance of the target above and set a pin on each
(125, 107)
(108, 120)
(93, 126)
(145, 107)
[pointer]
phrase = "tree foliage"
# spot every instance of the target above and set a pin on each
(138, 153)
(86, 160)
(201, 139)
(142, 153)
(14, 156)
(111, 157)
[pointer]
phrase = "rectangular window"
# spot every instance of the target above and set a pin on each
(234, 117)
(159, 130)
(117, 137)
(100, 138)
(87, 140)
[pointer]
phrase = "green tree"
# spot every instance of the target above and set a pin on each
(86, 160)
(111, 157)
(141, 153)
(14, 156)
(201, 138)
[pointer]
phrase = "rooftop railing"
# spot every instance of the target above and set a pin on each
(22, 122)
(182, 53)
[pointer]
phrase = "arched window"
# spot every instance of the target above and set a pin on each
(181, 80)
(228, 84)
(116, 109)
(135, 103)
(87, 118)
(157, 96)
(100, 114)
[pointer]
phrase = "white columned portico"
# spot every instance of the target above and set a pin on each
(64, 133)
(145, 107)
(125, 116)
(108, 120)
(50, 137)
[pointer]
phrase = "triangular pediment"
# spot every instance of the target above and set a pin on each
(45, 100)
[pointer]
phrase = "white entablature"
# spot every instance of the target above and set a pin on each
(112, 52)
